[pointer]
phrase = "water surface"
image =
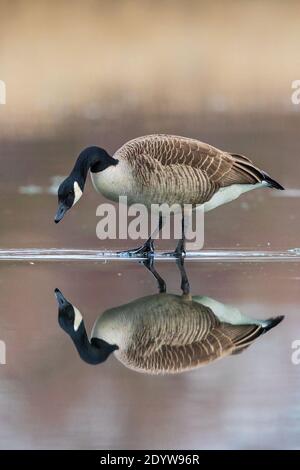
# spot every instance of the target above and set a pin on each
(50, 398)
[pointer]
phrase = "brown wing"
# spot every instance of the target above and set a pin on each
(169, 338)
(178, 335)
(221, 168)
(220, 341)
(242, 336)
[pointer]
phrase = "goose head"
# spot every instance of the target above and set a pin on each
(71, 189)
(71, 321)
(69, 317)
(69, 192)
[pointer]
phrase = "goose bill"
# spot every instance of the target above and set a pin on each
(62, 209)
(60, 298)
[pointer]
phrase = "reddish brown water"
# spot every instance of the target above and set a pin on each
(50, 398)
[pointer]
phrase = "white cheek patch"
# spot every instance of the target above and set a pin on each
(77, 319)
(77, 192)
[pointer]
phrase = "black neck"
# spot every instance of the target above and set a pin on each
(93, 352)
(92, 158)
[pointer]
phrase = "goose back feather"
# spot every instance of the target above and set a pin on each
(174, 169)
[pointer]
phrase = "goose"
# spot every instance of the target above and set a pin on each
(161, 168)
(163, 333)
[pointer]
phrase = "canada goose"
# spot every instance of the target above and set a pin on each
(163, 333)
(157, 169)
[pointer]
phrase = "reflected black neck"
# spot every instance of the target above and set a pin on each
(92, 158)
(93, 352)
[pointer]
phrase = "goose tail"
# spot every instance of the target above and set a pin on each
(248, 336)
(271, 183)
(271, 322)
(244, 171)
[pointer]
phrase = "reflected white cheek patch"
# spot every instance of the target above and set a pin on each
(77, 319)
(77, 192)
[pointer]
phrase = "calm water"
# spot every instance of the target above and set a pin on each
(49, 398)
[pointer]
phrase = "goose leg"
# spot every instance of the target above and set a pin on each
(147, 249)
(149, 264)
(180, 248)
(185, 285)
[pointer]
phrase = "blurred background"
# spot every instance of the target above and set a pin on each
(69, 63)
(86, 72)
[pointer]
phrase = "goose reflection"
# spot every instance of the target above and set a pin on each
(163, 333)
